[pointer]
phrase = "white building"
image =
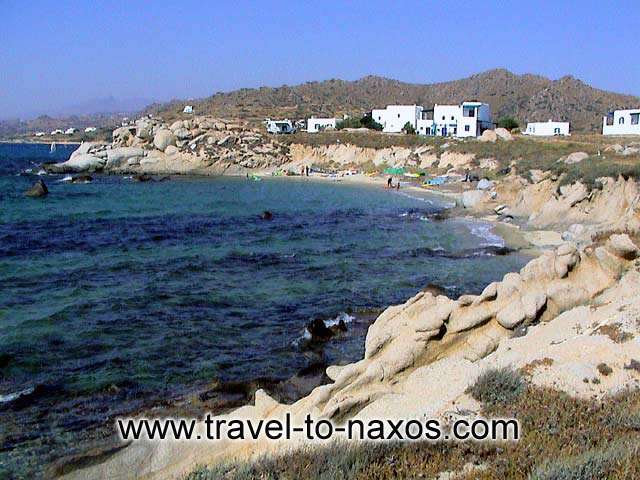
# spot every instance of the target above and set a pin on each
(187, 109)
(622, 122)
(469, 119)
(39, 134)
(394, 117)
(90, 129)
(57, 132)
(547, 129)
(315, 125)
(279, 126)
(70, 131)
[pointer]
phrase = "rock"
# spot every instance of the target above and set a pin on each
(142, 178)
(177, 125)
(616, 147)
(171, 150)
(576, 157)
(471, 198)
(512, 315)
(504, 134)
(266, 215)
(163, 138)
(144, 129)
(622, 246)
(532, 303)
(434, 289)
(117, 156)
(630, 151)
(39, 189)
(122, 136)
(485, 184)
(488, 136)
(538, 176)
(320, 332)
(182, 133)
(81, 178)
(84, 162)
(86, 147)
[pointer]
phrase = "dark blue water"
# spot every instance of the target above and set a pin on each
(115, 293)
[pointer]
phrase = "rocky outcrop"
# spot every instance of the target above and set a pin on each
(39, 189)
(421, 356)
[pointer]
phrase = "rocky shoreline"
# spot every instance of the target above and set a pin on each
(554, 318)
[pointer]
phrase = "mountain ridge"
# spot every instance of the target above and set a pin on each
(528, 97)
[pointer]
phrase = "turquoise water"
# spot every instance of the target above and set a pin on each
(156, 288)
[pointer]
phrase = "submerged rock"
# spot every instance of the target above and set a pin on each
(39, 189)
(81, 179)
(266, 215)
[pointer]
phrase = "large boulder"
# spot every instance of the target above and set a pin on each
(504, 134)
(182, 133)
(39, 189)
(576, 157)
(488, 136)
(84, 162)
(163, 138)
(118, 156)
(472, 198)
(144, 129)
(122, 136)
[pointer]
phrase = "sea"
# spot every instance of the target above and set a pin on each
(117, 294)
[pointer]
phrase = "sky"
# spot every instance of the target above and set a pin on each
(54, 54)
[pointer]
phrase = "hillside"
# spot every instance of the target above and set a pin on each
(527, 97)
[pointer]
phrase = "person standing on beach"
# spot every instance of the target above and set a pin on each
(389, 182)
(398, 185)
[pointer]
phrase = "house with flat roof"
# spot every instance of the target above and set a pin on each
(468, 119)
(315, 125)
(622, 122)
(547, 129)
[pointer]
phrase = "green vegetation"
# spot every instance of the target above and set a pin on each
(508, 122)
(526, 154)
(365, 122)
(408, 129)
(562, 438)
(497, 386)
(368, 139)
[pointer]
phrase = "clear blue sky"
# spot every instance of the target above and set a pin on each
(59, 53)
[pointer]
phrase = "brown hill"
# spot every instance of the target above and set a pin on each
(527, 97)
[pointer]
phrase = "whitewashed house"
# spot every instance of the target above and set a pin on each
(622, 122)
(279, 126)
(90, 129)
(394, 117)
(469, 119)
(57, 132)
(70, 131)
(315, 125)
(187, 109)
(547, 129)
(39, 134)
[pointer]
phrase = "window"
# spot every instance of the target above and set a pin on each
(379, 117)
(398, 115)
(556, 131)
(635, 118)
(452, 117)
(466, 128)
(621, 121)
(443, 117)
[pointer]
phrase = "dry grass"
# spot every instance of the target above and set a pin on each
(563, 438)
(368, 139)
